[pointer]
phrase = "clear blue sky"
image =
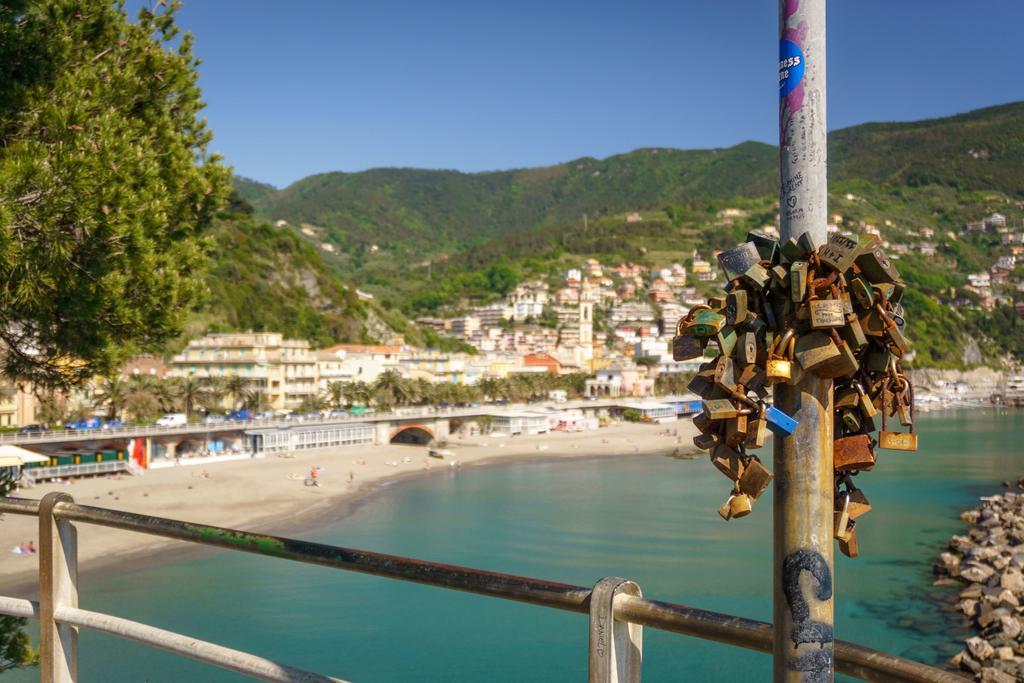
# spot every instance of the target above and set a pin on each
(302, 87)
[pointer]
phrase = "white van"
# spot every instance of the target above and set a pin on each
(172, 420)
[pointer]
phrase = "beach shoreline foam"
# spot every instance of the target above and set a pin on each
(268, 495)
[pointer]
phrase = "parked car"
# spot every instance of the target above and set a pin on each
(265, 415)
(240, 415)
(337, 412)
(112, 424)
(84, 424)
(32, 429)
(214, 419)
(172, 420)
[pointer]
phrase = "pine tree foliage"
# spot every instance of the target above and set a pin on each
(106, 184)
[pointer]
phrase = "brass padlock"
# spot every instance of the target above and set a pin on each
(686, 347)
(746, 351)
(778, 367)
(848, 546)
(892, 331)
(853, 333)
(736, 430)
(798, 281)
(725, 373)
(843, 365)
(899, 441)
(839, 252)
(853, 453)
(861, 290)
(755, 479)
(826, 313)
(780, 277)
(706, 442)
(725, 512)
(736, 307)
(720, 409)
(703, 423)
(735, 262)
(740, 505)
(851, 419)
(877, 361)
(757, 432)
(706, 323)
(841, 517)
(757, 277)
(766, 245)
(859, 504)
(815, 350)
(876, 266)
(726, 339)
(794, 251)
(751, 378)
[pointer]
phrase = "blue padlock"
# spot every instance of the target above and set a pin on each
(780, 423)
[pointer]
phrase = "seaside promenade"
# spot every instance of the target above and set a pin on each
(270, 494)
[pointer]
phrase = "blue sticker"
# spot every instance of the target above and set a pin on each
(791, 66)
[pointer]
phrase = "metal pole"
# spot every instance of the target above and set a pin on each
(803, 564)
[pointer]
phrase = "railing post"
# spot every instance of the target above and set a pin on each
(58, 587)
(616, 648)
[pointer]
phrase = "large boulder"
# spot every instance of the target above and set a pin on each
(980, 648)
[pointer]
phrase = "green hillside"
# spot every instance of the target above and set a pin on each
(469, 237)
(261, 277)
(421, 212)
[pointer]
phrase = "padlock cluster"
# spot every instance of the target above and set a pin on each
(791, 308)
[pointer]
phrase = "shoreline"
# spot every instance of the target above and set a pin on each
(986, 566)
(293, 509)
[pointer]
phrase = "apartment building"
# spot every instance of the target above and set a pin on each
(283, 371)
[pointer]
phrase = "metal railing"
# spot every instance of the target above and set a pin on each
(615, 606)
(37, 474)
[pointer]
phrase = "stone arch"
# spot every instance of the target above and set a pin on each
(412, 434)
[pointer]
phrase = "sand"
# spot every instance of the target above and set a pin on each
(269, 494)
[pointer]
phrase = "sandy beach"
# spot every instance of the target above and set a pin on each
(270, 495)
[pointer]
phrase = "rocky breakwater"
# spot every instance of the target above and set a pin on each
(989, 563)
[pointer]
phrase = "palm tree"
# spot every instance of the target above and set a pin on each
(216, 391)
(335, 394)
(389, 389)
(489, 387)
(313, 403)
(143, 395)
(238, 390)
(112, 393)
(358, 392)
(190, 391)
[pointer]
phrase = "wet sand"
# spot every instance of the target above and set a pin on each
(269, 494)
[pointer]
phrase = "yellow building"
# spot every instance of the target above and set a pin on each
(17, 405)
(284, 371)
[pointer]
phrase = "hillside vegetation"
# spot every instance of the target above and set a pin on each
(469, 237)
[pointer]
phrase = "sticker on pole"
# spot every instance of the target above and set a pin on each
(791, 67)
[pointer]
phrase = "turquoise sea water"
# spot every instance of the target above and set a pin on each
(651, 519)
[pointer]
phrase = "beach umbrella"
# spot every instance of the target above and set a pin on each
(14, 456)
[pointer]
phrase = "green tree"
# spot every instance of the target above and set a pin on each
(390, 389)
(237, 389)
(112, 393)
(335, 394)
(190, 392)
(105, 185)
